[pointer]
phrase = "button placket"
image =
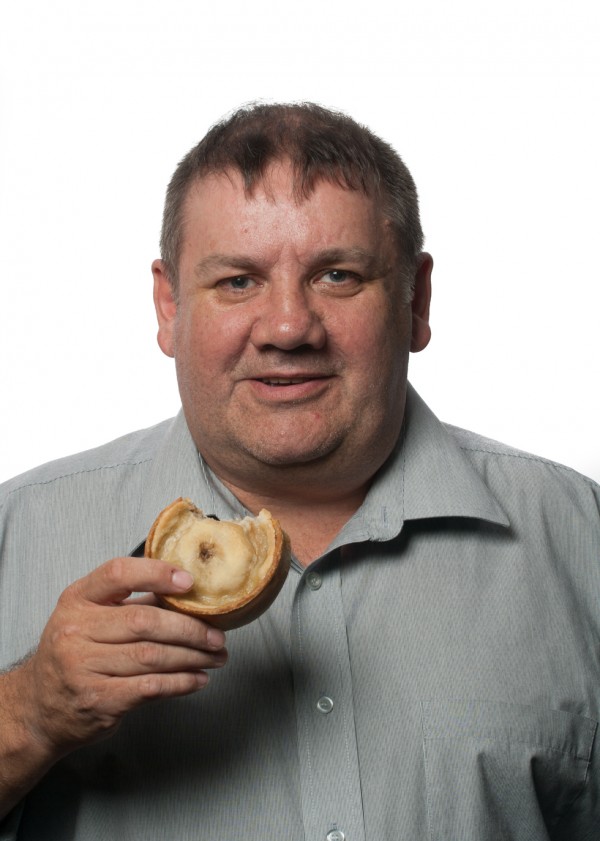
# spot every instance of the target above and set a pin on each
(331, 791)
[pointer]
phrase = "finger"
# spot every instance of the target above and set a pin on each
(133, 621)
(144, 658)
(130, 692)
(117, 579)
(116, 696)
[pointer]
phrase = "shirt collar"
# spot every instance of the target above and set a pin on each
(427, 476)
(178, 470)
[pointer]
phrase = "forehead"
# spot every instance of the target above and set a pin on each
(218, 208)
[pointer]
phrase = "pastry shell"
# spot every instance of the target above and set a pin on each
(238, 566)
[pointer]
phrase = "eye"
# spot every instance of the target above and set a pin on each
(339, 281)
(338, 276)
(241, 282)
(237, 286)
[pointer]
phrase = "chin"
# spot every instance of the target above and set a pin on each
(291, 453)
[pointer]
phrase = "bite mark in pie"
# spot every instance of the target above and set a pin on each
(238, 566)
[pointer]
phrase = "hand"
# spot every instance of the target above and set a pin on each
(101, 655)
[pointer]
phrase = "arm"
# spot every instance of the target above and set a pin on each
(99, 657)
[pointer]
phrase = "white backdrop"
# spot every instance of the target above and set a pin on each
(493, 107)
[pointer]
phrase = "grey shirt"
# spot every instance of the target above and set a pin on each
(435, 675)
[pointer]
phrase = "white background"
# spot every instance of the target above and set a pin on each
(492, 106)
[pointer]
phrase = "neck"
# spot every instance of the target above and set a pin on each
(311, 524)
(311, 500)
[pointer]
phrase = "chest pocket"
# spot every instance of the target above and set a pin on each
(501, 772)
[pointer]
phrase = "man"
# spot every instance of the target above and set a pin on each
(430, 669)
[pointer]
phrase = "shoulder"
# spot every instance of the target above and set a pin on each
(474, 445)
(126, 455)
(509, 470)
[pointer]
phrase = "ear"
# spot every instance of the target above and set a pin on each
(421, 331)
(165, 306)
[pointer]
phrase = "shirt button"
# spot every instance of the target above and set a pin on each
(325, 705)
(336, 835)
(314, 581)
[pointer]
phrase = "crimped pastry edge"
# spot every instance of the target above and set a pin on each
(249, 606)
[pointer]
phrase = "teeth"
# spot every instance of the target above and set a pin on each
(283, 382)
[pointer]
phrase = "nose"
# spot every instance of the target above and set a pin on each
(289, 318)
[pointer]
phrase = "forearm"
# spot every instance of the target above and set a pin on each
(99, 657)
(24, 756)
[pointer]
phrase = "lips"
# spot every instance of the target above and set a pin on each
(285, 381)
(285, 387)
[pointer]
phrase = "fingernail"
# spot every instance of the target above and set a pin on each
(220, 658)
(215, 638)
(182, 579)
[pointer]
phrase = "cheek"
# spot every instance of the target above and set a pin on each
(207, 342)
(378, 336)
(388, 355)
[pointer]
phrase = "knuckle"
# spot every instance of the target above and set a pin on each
(88, 699)
(113, 572)
(147, 654)
(93, 714)
(68, 595)
(187, 630)
(140, 620)
(151, 686)
(64, 638)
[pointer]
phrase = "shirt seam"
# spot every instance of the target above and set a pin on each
(73, 473)
(529, 457)
(348, 725)
(510, 740)
(428, 797)
(583, 786)
(303, 716)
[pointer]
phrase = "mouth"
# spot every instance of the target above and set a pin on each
(289, 388)
(278, 381)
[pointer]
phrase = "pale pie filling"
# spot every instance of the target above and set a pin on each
(228, 560)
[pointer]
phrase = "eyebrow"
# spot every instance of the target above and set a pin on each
(222, 261)
(371, 263)
(333, 256)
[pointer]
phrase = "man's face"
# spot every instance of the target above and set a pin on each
(290, 336)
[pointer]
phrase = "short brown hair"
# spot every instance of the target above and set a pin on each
(320, 144)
